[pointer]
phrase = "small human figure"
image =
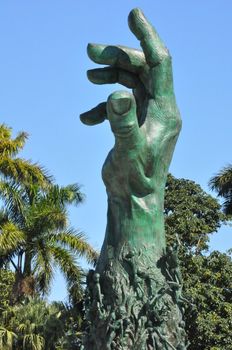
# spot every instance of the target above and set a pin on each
(172, 262)
(182, 336)
(97, 288)
(164, 340)
(131, 259)
(113, 327)
(90, 284)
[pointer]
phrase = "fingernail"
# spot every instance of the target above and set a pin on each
(121, 105)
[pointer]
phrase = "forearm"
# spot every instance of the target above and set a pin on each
(135, 225)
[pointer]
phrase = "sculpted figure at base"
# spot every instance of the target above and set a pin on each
(133, 298)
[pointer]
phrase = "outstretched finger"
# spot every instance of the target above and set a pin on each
(152, 46)
(119, 56)
(95, 116)
(111, 75)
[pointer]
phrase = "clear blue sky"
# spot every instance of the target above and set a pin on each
(44, 88)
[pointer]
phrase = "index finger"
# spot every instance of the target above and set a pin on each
(123, 57)
(153, 47)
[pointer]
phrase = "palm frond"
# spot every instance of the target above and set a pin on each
(77, 242)
(9, 146)
(222, 182)
(227, 204)
(7, 338)
(4, 218)
(44, 217)
(33, 342)
(69, 194)
(24, 172)
(42, 267)
(11, 239)
(67, 263)
(17, 169)
(11, 195)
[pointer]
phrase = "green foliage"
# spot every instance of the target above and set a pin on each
(35, 236)
(207, 283)
(7, 339)
(191, 213)
(18, 170)
(71, 317)
(222, 184)
(38, 238)
(7, 279)
(35, 325)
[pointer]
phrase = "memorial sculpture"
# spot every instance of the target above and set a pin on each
(133, 297)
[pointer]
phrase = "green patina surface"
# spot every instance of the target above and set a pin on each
(134, 296)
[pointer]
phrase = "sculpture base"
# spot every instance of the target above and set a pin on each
(134, 304)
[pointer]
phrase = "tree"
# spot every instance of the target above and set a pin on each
(17, 170)
(16, 175)
(222, 184)
(34, 325)
(192, 215)
(35, 235)
(7, 279)
(37, 238)
(207, 284)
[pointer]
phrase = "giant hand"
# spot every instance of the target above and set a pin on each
(134, 304)
(145, 124)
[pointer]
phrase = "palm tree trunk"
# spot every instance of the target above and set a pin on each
(27, 264)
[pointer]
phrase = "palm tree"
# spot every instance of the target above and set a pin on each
(222, 184)
(35, 236)
(34, 325)
(18, 170)
(16, 175)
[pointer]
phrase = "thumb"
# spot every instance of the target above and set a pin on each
(121, 112)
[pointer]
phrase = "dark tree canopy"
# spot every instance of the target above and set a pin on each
(191, 213)
(207, 284)
(7, 279)
(222, 184)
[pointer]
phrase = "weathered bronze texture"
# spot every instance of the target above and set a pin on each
(133, 298)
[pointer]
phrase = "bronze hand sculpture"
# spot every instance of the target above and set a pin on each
(146, 125)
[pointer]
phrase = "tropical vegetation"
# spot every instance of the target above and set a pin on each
(193, 215)
(222, 184)
(36, 238)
